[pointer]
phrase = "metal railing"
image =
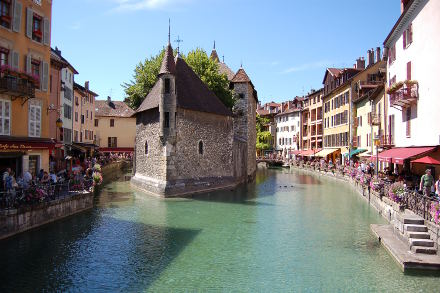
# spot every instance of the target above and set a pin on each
(16, 86)
(41, 193)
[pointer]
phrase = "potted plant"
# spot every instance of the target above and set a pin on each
(435, 212)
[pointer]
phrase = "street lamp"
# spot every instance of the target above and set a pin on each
(59, 123)
(377, 143)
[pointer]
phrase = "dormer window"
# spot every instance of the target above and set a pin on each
(167, 85)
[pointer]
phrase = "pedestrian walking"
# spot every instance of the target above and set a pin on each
(426, 182)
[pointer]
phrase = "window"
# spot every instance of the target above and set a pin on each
(112, 142)
(408, 122)
(81, 137)
(91, 115)
(37, 29)
(5, 117)
(75, 134)
(167, 85)
(241, 96)
(96, 122)
(407, 37)
(82, 119)
(200, 147)
(67, 111)
(166, 123)
(392, 54)
(76, 101)
(5, 12)
(146, 147)
(76, 116)
(67, 135)
(112, 122)
(87, 113)
(408, 70)
(35, 67)
(4, 56)
(34, 120)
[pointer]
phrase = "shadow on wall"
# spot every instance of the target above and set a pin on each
(90, 252)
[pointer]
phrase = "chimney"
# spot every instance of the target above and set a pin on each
(378, 56)
(86, 85)
(360, 63)
(58, 51)
(370, 56)
(385, 53)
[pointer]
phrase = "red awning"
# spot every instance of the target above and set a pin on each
(295, 152)
(427, 160)
(398, 155)
(116, 150)
(309, 153)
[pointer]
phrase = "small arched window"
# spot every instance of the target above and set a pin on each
(146, 147)
(200, 147)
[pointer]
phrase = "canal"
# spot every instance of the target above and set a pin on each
(287, 232)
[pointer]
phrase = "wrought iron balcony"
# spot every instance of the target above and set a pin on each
(386, 140)
(16, 86)
(405, 96)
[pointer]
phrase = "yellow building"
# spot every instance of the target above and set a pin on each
(115, 126)
(83, 118)
(342, 88)
(24, 85)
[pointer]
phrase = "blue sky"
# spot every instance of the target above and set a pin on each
(284, 46)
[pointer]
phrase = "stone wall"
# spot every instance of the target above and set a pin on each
(153, 164)
(215, 131)
(16, 221)
(245, 123)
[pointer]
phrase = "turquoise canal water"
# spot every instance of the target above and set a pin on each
(287, 232)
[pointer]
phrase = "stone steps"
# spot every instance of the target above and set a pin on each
(421, 242)
(415, 228)
(423, 249)
(413, 221)
(418, 235)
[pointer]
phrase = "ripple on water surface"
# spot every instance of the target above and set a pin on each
(289, 231)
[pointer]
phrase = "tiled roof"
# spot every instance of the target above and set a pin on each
(192, 93)
(54, 53)
(262, 112)
(168, 65)
(83, 89)
(112, 109)
(224, 69)
(241, 76)
(335, 71)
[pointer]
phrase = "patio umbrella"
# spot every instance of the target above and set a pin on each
(427, 160)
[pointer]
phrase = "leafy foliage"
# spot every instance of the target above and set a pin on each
(263, 137)
(145, 76)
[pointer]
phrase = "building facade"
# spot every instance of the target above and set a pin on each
(25, 30)
(288, 128)
(83, 119)
(413, 102)
(115, 126)
(311, 121)
(269, 111)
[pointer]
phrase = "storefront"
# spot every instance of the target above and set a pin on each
(25, 154)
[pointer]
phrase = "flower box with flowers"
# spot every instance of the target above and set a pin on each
(434, 211)
(37, 33)
(396, 193)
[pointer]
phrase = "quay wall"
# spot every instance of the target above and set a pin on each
(15, 221)
(385, 206)
(25, 218)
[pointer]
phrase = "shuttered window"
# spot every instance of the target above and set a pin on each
(5, 117)
(408, 122)
(16, 23)
(408, 70)
(5, 12)
(34, 120)
(112, 142)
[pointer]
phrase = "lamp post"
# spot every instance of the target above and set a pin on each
(377, 143)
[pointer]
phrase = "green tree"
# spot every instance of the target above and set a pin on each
(263, 137)
(145, 76)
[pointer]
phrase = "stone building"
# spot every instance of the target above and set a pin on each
(186, 140)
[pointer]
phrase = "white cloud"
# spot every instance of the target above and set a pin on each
(133, 5)
(308, 66)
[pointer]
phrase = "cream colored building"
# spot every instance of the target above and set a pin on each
(115, 126)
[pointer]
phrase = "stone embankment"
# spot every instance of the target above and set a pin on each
(15, 221)
(410, 239)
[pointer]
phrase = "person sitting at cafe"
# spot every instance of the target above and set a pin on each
(426, 182)
(45, 178)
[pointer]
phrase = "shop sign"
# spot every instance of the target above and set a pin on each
(18, 147)
(38, 2)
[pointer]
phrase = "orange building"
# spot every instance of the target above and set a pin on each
(25, 28)
(84, 136)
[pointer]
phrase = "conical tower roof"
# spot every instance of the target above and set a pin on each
(168, 66)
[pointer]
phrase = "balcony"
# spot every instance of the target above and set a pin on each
(386, 140)
(405, 96)
(16, 86)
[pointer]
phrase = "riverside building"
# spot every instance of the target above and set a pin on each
(25, 31)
